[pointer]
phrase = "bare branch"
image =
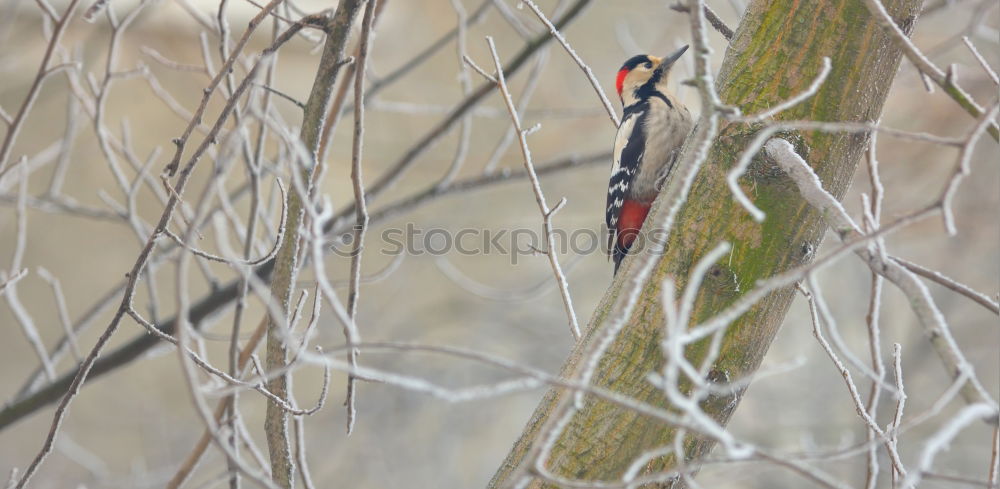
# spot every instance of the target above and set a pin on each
(893, 428)
(10, 283)
(982, 61)
(855, 394)
(962, 169)
(926, 67)
(63, 313)
(361, 223)
(15, 124)
(943, 438)
(13, 278)
(536, 187)
(713, 18)
(949, 283)
(576, 58)
(994, 469)
(280, 233)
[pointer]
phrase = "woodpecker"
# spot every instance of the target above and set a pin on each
(653, 128)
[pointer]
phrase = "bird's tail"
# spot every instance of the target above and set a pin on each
(618, 253)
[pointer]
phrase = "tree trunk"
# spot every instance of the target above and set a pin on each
(775, 54)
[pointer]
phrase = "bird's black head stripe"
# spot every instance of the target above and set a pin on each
(634, 61)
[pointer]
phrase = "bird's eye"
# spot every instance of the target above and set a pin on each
(647, 65)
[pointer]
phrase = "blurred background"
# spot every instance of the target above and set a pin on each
(133, 427)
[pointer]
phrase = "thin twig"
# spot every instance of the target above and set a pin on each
(543, 207)
(982, 61)
(962, 167)
(15, 124)
(713, 18)
(855, 394)
(940, 440)
(951, 284)
(169, 63)
(12, 279)
(994, 470)
(357, 180)
(63, 312)
(534, 76)
(576, 58)
(897, 419)
(192, 459)
(926, 67)
(10, 287)
(281, 94)
(873, 214)
(465, 82)
(280, 234)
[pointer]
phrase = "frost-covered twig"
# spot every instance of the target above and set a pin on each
(576, 58)
(926, 67)
(536, 187)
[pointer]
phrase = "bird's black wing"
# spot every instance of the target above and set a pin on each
(629, 145)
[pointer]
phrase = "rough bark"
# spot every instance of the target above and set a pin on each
(775, 54)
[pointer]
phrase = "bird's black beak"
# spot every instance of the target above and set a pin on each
(670, 60)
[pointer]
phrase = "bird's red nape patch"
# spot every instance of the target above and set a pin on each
(630, 220)
(620, 81)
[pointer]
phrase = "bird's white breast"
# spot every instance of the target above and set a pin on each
(665, 129)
